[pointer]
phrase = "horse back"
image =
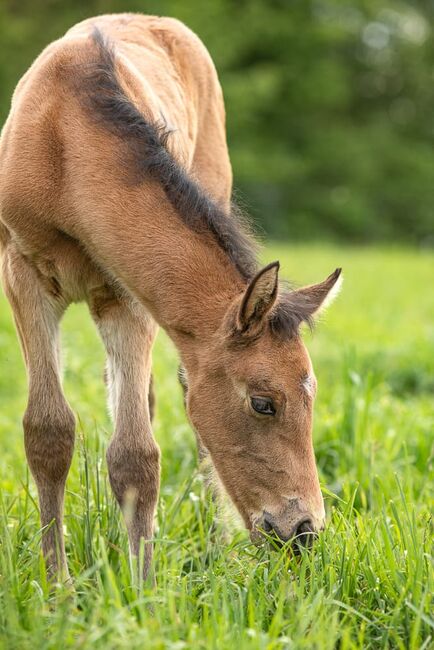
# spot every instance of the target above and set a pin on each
(54, 157)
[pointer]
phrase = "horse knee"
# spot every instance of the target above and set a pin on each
(49, 442)
(134, 470)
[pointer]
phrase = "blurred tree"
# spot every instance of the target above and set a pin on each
(329, 103)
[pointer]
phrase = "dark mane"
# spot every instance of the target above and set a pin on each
(104, 96)
(109, 103)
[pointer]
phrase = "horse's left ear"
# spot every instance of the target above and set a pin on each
(259, 297)
(309, 301)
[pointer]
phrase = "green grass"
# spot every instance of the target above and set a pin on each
(367, 584)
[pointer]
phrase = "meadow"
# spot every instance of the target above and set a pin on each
(368, 582)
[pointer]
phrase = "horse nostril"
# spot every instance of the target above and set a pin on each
(267, 525)
(304, 533)
(271, 529)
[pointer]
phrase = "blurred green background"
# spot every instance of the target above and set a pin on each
(330, 104)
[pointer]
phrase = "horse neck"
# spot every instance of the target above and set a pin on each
(182, 277)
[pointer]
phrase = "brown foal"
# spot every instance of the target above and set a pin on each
(115, 187)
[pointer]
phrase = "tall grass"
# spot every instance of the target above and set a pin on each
(368, 583)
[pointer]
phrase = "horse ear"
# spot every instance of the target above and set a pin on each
(259, 297)
(308, 302)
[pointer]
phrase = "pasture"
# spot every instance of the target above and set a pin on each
(368, 583)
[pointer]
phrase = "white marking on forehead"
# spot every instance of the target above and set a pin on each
(308, 385)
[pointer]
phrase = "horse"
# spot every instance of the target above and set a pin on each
(115, 189)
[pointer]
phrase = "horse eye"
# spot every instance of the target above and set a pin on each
(263, 405)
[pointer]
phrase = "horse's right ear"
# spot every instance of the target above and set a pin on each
(258, 298)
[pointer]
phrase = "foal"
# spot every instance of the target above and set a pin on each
(115, 187)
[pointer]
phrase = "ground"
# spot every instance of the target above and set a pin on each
(367, 584)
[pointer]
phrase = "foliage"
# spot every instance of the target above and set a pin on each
(329, 103)
(368, 583)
